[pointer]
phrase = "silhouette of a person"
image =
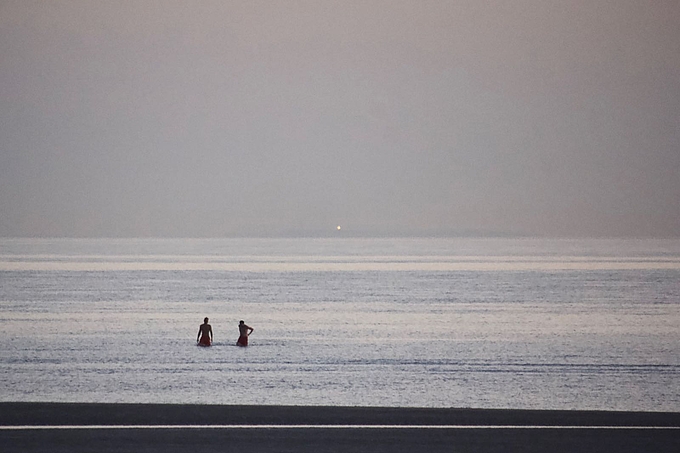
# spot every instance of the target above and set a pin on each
(244, 331)
(205, 334)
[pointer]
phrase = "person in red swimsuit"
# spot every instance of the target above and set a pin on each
(244, 331)
(205, 335)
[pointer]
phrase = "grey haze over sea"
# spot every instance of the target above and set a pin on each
(432, 322)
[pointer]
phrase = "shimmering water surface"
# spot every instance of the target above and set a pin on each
(493, 323)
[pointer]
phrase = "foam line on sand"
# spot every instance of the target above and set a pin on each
(492, 427)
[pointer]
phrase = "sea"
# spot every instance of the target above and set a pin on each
(524, 323)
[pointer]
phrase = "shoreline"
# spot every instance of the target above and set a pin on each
(47, 413)
(112, 427)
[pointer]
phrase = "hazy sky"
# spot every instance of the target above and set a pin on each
(224, 118)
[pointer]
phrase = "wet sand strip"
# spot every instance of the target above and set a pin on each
(169, 428)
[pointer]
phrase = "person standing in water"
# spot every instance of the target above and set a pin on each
(205, 334)
(244, 330)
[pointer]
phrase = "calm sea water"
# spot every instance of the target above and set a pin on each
(488, 323)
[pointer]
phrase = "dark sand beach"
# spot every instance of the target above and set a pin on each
(473, 429)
